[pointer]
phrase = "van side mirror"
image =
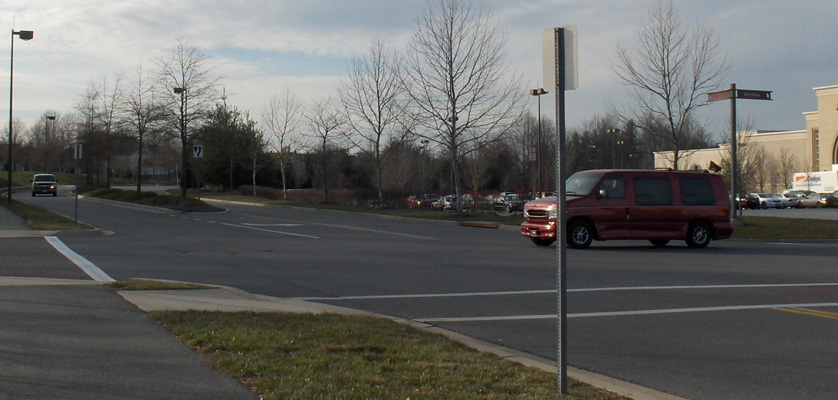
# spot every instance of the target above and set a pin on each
(602, 194)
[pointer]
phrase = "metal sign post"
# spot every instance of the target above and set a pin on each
(77, 156)
(559, 60)
(198, 152)
(732, 94)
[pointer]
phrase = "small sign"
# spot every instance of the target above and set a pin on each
(753, 94)
(198, 151)
(716, 96)
(77, 153)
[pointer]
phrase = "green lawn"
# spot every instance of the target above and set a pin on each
(330, 356)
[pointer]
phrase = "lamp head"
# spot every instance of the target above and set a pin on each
(26, 35)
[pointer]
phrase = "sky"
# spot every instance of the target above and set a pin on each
(260, 48)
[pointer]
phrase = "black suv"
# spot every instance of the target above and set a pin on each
(44, 184)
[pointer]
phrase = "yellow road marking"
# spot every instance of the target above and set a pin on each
(351, 228)
(810, 312)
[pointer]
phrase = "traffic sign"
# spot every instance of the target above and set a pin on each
(753, 94)
(198, 151)
(77, 152)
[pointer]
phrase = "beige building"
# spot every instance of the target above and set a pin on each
(785, 153)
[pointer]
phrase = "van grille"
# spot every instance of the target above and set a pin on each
(536, 213)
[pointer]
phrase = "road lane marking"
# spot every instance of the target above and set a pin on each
(580, 290)
(88, 267)
(351, 228)
(811, 313)
(270, 231)
(624, 313)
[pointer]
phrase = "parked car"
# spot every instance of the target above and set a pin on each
(788, 201)
(828, 201)
(508, 202)
(423, 200)
(657, 206)
(44, 184)
(764, 200)
(810, 200)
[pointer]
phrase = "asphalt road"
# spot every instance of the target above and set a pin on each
(737, 320)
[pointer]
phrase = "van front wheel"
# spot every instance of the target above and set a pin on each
(698, 236)
(580, 235)
(543, 241)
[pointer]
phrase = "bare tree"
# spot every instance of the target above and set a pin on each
(142, 109)
(668, 73)
(370, 98)
(786, 166)
(109, 101)
(190, 91)
(456, 79)
(326, 123)
(281, 118)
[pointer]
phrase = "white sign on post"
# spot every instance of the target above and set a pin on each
(569, 64)
(77, 153)
(198, 151)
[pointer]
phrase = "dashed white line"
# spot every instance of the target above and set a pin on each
(271, 231)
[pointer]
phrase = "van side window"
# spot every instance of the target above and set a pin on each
(697, 192)
(614, 186)
(653, 191)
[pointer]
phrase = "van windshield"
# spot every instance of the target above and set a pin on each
(581, 183)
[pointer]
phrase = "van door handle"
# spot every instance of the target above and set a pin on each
(627, 213)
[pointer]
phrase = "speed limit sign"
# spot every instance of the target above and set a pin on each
(198, 151)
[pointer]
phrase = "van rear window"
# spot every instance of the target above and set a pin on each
(653, 191)
(697, 192)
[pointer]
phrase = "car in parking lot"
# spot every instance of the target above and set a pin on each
(788, 201)
(828, 201)
(44, 184)
(810, 200)
(763, 200)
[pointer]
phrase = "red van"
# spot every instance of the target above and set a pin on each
(657, 206)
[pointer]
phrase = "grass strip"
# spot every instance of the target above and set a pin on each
(40, 219)
(148, 284)
(330, 356)
(773, 228)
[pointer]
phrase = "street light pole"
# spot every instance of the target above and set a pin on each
(24, 35)
(613, 147)
(537, 93)
(46, 140)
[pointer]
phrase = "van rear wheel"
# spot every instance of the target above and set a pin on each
(698, 235)
(580, 235)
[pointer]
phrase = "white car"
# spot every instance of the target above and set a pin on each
(767, 201)
(788, 201)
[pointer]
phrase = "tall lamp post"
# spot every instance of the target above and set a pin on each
(537, 93)
(24, 35)
(46, 140)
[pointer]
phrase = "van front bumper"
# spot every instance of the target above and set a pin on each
(534, 230)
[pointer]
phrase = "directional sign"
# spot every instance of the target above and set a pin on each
(723, 95)
(198, 151)
(77, 153)
(753, 94)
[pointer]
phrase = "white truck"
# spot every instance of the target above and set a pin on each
(820, 182)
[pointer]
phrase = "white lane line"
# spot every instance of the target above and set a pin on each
(271, 231)
(88, 267)
(283, 225)
(623, 313)
(581, 290)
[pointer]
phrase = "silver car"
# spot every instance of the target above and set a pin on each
(767, 201)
